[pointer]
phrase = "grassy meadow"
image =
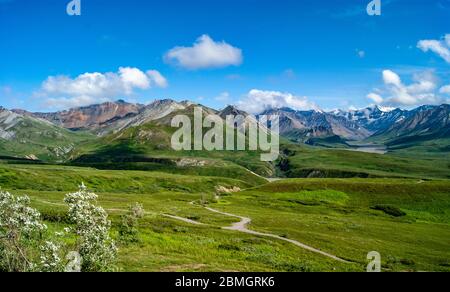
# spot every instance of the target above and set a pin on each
(406, 220)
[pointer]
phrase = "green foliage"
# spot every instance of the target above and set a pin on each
(390, 210)
(92, 228)
(66, 178)
(129, 223)
(300, 161)
(333, 215)
(20, 233)
(27, 245)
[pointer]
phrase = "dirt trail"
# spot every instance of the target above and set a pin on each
(183, 219)
(241, 226)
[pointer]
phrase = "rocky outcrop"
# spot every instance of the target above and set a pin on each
(90, 117)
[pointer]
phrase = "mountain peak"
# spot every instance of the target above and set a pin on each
(232, 110)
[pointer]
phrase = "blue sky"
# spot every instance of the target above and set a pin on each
(328, 54)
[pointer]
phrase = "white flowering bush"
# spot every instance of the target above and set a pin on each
(92, 228)
(128, 227)
(50, 258)
(20, 233)
(25, 245)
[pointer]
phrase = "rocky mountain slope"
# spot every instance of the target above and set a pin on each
(374, 119)
(92, 118)
(115, 119)
(422, 124)
(302, 125)
(25, 136)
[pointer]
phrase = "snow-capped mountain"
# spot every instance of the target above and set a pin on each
(375, 118)
(301, 125)
(421, 124)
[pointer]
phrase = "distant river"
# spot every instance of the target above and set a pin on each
(369, 149)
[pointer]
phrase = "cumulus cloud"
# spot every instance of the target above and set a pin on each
(205, 53)
(256, 101)
(439, 47)
(422, 91)
(157, 79)
(391, 78)
(89, 88)
(376, 98)
(424, 82)
(131, 78)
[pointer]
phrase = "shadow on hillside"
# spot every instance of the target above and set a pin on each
(118, 153)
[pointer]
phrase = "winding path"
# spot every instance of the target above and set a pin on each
(183, 219)
(241, 226)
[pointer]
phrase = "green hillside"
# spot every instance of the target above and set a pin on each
(148, 147)
(305, 161)
(38, 139)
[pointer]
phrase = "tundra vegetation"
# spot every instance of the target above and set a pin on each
(405, 219)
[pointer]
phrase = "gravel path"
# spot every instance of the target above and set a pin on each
(241, 226)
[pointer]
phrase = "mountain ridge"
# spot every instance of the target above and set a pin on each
(374, 124)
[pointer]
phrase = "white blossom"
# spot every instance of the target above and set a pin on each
(92, 226)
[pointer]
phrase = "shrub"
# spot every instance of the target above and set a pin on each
(25, 245)
(92, 227)
(129, 223)
(194, 218)
(390, 210)
(21, 237)
(54, 216)
(230, 247)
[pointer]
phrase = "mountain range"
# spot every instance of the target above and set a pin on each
(30, 137)
(57, 133)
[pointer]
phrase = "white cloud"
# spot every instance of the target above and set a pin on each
(256, 101)
(65, 103)
(133, 78)
(445, 89)
(89, 88)
(425, 82)
(418, 93)
(440, 47)
(204, 54)
(375, 98)
(391, 78)
(157, 79)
